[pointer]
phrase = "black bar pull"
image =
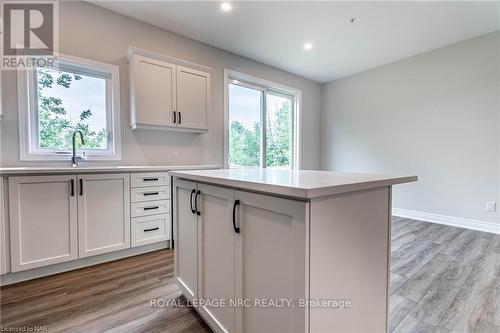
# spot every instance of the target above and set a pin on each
(236, 229)
(175, 116)
(180, 118)
(81, 186)
(150, 179)
(152, 229)
(150, 193)
(196, 203)
(191, 201)
(151, 208)
(72, 188)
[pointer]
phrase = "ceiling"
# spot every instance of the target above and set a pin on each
(274, 32)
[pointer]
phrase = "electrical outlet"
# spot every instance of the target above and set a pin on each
(491, 206)
(216, 154)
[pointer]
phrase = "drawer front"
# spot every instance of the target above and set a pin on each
(150, 208)
(149, 179)
(153, 193)
(150, 229)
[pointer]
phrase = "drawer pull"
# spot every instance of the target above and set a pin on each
(150, 193)
(150, 179)
(151, 208)
(152, 229)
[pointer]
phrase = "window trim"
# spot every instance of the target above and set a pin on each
(265, 86)
(28, 115)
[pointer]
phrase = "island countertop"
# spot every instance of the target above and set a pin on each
(302, 184)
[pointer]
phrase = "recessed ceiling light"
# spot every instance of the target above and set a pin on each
(308, 46)
(225, 7)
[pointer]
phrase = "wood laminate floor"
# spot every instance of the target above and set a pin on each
(443, 279)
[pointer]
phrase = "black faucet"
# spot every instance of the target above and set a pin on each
(74, 158)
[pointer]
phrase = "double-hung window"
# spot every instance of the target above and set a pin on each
(76, 95)
(262, 123)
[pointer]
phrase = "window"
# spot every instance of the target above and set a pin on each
(262, 126)
(76, 95)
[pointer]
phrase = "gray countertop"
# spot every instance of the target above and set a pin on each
(302, 184)
(48, 170)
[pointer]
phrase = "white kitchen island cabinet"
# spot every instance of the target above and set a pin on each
(284, 251)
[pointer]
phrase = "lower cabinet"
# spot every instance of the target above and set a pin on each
(216, 254)
(186, 238)
(43, 221)
(54, 219)
(103, 213)
(238, 246)
(150, 229)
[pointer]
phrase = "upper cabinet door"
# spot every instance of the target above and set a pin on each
(193, 98)
(103, 213)
(43, 220)
(153, 91)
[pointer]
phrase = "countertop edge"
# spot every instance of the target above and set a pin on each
(294, 192)
(26, 171)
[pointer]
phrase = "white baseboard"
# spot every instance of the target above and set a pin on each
(448, 220)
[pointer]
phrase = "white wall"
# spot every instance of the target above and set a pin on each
(91, 32)
(435, 115)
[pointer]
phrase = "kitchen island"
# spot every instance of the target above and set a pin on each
(269, 250)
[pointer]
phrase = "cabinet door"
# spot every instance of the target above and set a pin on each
(103, 213)
(216, 255)
(186, 238)
(193, 98)
(43, 221)
(4, 241)
(270, 262)
(154, 87)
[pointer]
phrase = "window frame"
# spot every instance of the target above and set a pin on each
(28, 111)
(245, 80)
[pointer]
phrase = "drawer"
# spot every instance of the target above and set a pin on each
(150, 229)
(149, 179)
(149, 208)
(139, 194)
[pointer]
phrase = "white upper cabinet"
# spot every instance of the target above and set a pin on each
(155, 92)
(43, 221)
(193, 98)
(168, 93)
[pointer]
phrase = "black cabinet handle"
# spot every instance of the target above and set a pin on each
(180, 118)
(236, 229)
(81, 186)
(151, 208)
(196, 203)
(72, 188)
(175, 116)
(152, 229)
(150, 193)
(191, 201)
(150, 179)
